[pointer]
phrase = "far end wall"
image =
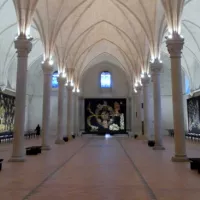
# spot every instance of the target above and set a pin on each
(90, 88)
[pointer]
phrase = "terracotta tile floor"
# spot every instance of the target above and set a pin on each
(100, 169)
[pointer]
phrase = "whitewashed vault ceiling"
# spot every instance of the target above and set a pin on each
(78, 33)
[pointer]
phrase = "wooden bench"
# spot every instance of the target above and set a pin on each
(195, 164)
(1, 160)
(171, 132)
(29, 134)
(6, 136)
(73, 136)
(151, 143)
(33, 150)
(38, 148)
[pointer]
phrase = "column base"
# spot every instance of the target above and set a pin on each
(69, 137)
(46, 148)
(17, 159)
(59, 141)
(180, 158)
(158, 147)
(141, 137)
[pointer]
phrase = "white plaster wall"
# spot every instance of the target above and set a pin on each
(166, 98)
(90, 86)
(35, 109)
(54, 111)
(167, 113)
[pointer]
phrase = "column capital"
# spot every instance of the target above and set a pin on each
(47, 68)
(23, 46)
(77, 93)
(61, 80)
(138, 88)
(69, 87)
(156, 67)
(175, 45)
(145, 79)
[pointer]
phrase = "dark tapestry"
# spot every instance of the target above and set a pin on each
(105, 115)
(7, 112)
(193, 115)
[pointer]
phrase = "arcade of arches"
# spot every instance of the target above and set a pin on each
(149, 52)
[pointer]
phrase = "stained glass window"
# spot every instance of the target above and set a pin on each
(54, 82)
(105, 80)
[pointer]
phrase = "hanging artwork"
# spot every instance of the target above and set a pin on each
(193, 115)
(105, 115)
(7, 112)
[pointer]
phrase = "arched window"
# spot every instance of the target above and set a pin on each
(105, 79)
(54, 82)
(187, 85)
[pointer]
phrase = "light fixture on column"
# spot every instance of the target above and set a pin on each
(144, 76)
(51, 62)
(63, 75)
(135, 90)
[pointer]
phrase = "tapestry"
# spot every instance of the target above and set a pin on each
(193, 115)
(105, 115)
(7, 112)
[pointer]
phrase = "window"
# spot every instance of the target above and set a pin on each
(187, 85)
(105, 80)
(54, 82)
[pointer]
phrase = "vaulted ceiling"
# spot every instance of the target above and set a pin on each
(80, 32)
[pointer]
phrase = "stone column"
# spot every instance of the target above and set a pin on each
(175, 45)
(73, 121)
(82, 113)
(76, 113)
(69, 110)
(133, 115)
(156, 68)
(23, 46)
(147, 116)
(47, 71)
(29, 112)
(139, 110)
(60, 120)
